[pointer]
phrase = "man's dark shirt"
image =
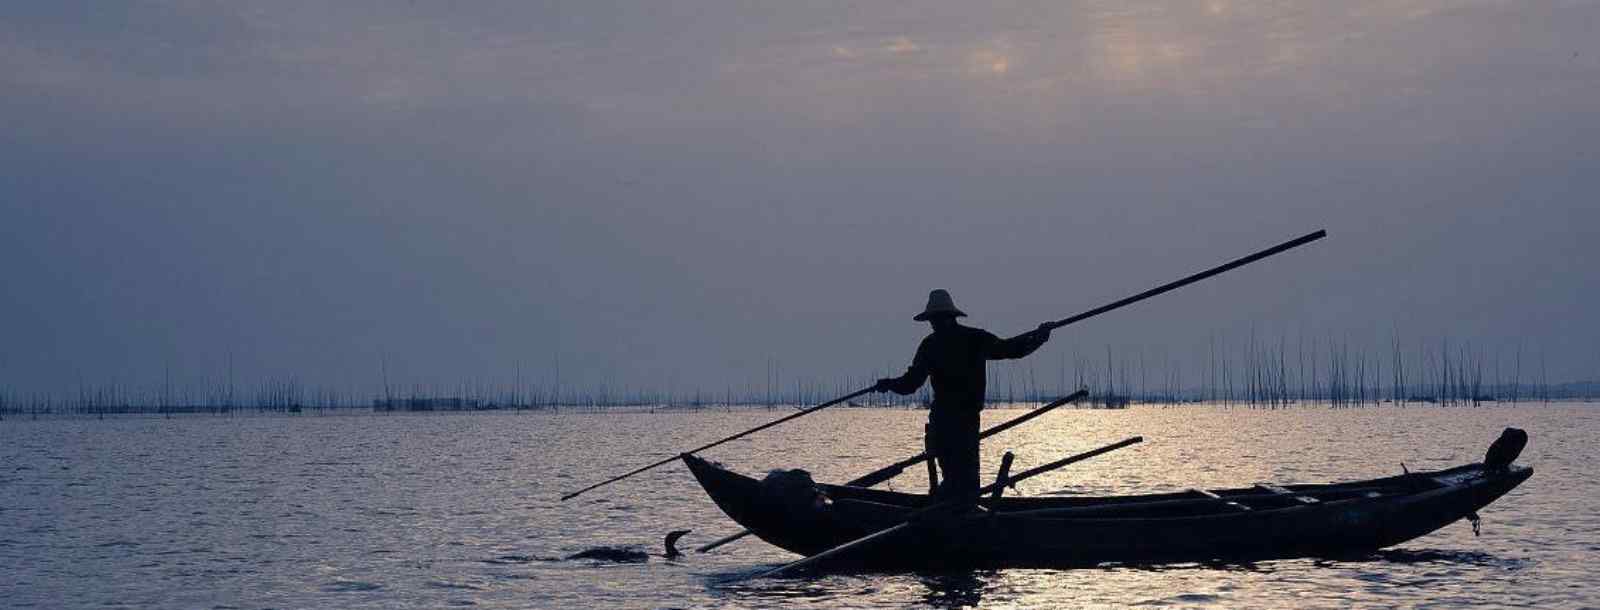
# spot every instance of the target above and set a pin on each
(955, 358)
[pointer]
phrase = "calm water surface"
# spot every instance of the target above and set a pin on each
(461, 510)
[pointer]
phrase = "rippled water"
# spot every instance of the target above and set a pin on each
(446, 510)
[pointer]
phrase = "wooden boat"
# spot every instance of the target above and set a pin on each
(1243, 524)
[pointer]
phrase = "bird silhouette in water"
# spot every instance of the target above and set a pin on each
(626, 554)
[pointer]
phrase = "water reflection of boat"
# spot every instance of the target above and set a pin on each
(1264, 521)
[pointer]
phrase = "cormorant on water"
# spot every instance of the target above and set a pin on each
(672, 543)
(623, 554)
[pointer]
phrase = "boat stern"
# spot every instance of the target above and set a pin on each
(1461, 492)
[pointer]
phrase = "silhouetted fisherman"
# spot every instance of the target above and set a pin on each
(954, 356)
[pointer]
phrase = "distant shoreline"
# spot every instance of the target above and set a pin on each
(155, 412)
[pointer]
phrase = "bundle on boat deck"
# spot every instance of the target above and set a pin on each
(1264, 521)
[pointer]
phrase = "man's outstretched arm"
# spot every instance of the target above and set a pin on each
(1020, 345)
(913, 378)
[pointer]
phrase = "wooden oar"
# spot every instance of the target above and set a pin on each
(946, 505)
(893, 470)
(719, 442)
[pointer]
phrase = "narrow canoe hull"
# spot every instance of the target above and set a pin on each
(1246, 524)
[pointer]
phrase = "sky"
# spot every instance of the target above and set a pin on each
(676, 195)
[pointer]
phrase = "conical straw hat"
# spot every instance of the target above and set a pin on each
(939, 303)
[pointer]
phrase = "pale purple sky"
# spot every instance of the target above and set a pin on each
(668, 194)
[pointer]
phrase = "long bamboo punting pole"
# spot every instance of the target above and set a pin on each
(1164, 288)
(1293, 243)
(719, 442)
